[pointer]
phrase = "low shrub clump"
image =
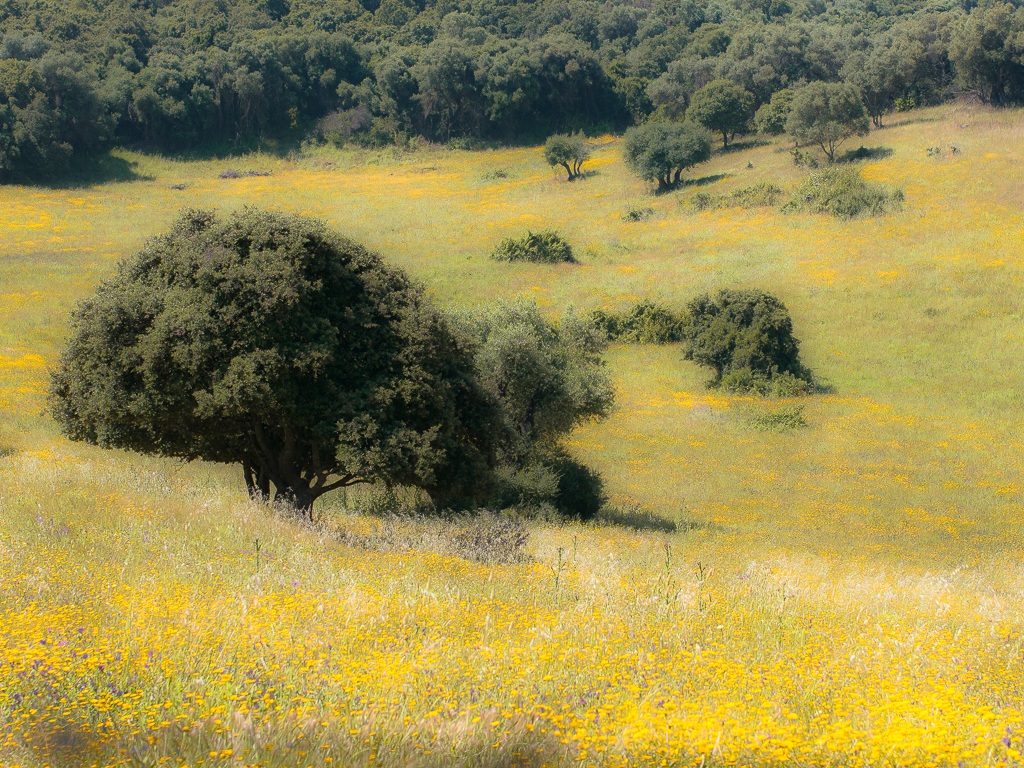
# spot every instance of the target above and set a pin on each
(782, 419)
(553, 485)
(644, 323)
(544, 247)
(770, 384)
(843, 192)
(755, 196)
(638, 213)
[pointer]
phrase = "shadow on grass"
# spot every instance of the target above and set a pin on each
(91, 171)
(638, 518)
(909, 121)
(446, 741)
(740, 146)
(703, 181)
(865, 153)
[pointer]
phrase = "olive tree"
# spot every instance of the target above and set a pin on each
(570, 152)
(827, 114)
(723, 107)
(271, 342)
(662, 151)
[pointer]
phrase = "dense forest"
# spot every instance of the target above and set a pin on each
(175, 75)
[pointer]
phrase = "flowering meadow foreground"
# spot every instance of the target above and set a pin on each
(143, 627)
(845, 593)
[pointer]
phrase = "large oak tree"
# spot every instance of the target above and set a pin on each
(271, 342)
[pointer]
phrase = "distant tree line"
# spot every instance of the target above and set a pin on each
(174, 75)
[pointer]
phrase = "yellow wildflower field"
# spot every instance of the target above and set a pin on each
(850, 593)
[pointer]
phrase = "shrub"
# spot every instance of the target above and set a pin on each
(637, 214)
(544, 247)
(743, 380)
(757, 195)
(705, 201)
(553, 480)
(843, 192)
(779, 420)
(800, 159)
(748, 197)
(644, 323)
(746, 337)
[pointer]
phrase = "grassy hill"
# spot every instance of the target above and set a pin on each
(846, 592)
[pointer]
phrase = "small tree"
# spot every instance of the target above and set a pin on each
(722, 106)
(271, 342)
(746, 335)
(567, 151)
(662, 151)
(884, 71)
(827, 114)
(771, 118)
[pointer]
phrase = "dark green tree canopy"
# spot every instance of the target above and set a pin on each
(826, 115)
(885, 71)
(723, 107)
(221, 74)
(988, 52)
(272, 342)
(742, 330)
(662, 151)
(570, 152)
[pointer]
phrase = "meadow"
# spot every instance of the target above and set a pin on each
(849, 593)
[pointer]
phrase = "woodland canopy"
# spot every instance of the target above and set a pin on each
(217, 75)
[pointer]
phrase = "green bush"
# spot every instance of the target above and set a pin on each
(637, 214)
(705, 201)
(779, 420)
(746, 337)
(772, 384)
(757, 195)
(644, 323)
(553, 480)
(544, 247)
(753, 196)
(843, 192)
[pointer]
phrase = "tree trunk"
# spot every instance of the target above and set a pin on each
(300, 499)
